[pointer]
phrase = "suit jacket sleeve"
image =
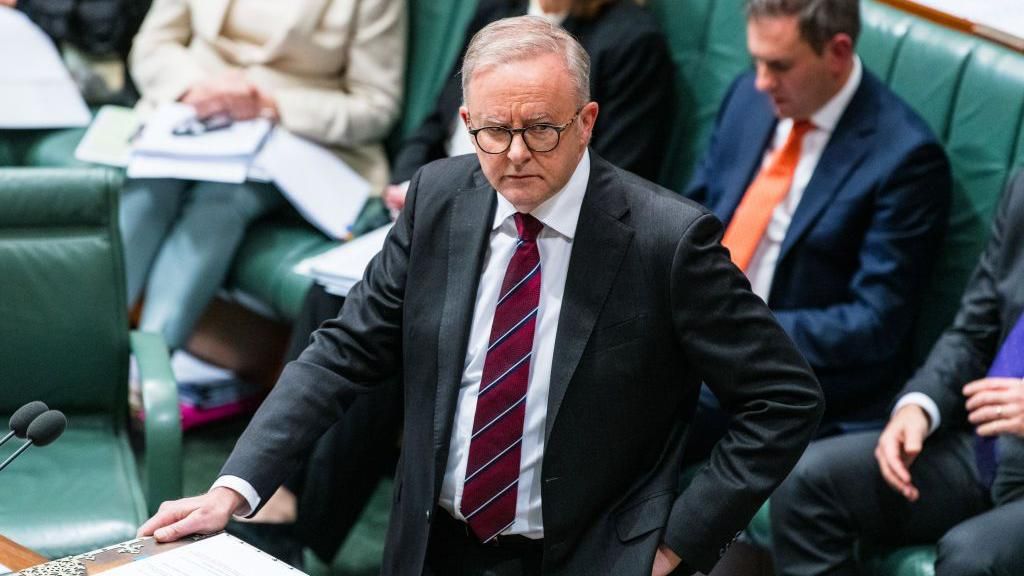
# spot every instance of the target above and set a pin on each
(697, 188)
(966, 349)
(159, 61)
(902, 240)
(728, 334)
(363, 112)
(347, 356)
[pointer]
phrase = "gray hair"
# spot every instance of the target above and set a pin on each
(820, 20)
(516, 39)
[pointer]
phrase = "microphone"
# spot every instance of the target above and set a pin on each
(46, 428)
(22, 417)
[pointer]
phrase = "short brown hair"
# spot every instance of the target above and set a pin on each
(820, 20)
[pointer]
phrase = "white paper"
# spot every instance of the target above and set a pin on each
(1002, 15)
(36, 90)
(221, 555)
(230, 170)
(338, 269)
(320, 186)
(240, 139)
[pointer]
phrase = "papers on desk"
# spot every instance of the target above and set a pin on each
(217, 156)
(109, 138)
(338, 269)
(36, 89)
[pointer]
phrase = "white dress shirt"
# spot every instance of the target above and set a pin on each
(761, 270)
(559, 214)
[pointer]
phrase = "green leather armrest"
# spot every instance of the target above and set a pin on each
(162, 457)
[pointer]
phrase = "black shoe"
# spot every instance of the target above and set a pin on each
(278, 540)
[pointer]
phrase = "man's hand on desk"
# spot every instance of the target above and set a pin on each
(197, 515)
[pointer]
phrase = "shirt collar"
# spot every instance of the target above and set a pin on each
(555, 18)
(828, 115)
(561, 212)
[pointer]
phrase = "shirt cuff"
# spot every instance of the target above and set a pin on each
(926, 404)
(239, 485)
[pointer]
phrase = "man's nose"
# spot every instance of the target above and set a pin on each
(518, 153)
(764, 80)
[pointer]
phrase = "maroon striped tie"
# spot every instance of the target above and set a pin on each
(492, 473)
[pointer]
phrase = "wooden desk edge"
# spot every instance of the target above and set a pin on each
(17, 557)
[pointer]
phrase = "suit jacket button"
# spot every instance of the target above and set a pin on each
(428, 514)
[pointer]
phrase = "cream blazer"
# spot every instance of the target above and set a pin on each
(336, 68)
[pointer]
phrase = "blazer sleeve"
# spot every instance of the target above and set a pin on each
(347, 356)
(159, 60)
(365, 109)
(728, 334)
(967, 348)
(697, 188)
(902, 240)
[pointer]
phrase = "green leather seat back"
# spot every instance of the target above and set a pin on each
(707, 40)
(64, 338)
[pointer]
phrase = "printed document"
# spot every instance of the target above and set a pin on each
(221, 555)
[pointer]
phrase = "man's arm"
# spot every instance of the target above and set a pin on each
(895, 260)
(347, 356)
(730, 337)
(966, 349)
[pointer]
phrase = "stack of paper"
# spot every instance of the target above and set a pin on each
(218, 156)
(36, 90)
(340, 268)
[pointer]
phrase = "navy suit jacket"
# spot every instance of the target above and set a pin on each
(859, 249)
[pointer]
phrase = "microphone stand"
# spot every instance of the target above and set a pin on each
(15, 455)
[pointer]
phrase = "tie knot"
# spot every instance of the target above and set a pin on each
(801, 127)
(527, 226)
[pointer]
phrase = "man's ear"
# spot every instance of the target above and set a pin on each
(464, 114)
(587, 119)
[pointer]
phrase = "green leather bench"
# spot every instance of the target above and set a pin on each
(969, 90)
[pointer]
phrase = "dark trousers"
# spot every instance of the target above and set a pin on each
(836, 498)
(347, 462)
(453, 551)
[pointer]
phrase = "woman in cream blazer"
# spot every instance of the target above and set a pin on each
(328, 70)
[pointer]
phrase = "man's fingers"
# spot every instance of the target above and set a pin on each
(168, 513)
(988, 398)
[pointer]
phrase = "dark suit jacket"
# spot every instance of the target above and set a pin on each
(989, 309)
(859, 249)
(630, 78)
(652, 306)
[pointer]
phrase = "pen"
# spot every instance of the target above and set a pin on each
(198, 126)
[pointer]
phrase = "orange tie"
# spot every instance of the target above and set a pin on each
(769, 188)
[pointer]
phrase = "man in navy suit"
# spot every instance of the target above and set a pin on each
(846, 250)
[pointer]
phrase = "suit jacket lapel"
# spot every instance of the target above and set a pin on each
(844, 152)
(471, 216)
(753, 141)
(599, 246)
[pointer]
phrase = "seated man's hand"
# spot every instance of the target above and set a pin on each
(9, 3)
(204, 514)
(665, 561)
(996, 405)
(394, 197)
(898, 447)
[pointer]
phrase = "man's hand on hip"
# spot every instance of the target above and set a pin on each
(898, 447)
(197, 515)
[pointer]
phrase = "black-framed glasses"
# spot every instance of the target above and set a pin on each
(537, 137)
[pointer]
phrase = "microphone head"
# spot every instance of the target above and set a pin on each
(47, 427)
(24, 416)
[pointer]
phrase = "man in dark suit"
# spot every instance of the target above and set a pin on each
(949, 465)
(843, 247)
(552, 317)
